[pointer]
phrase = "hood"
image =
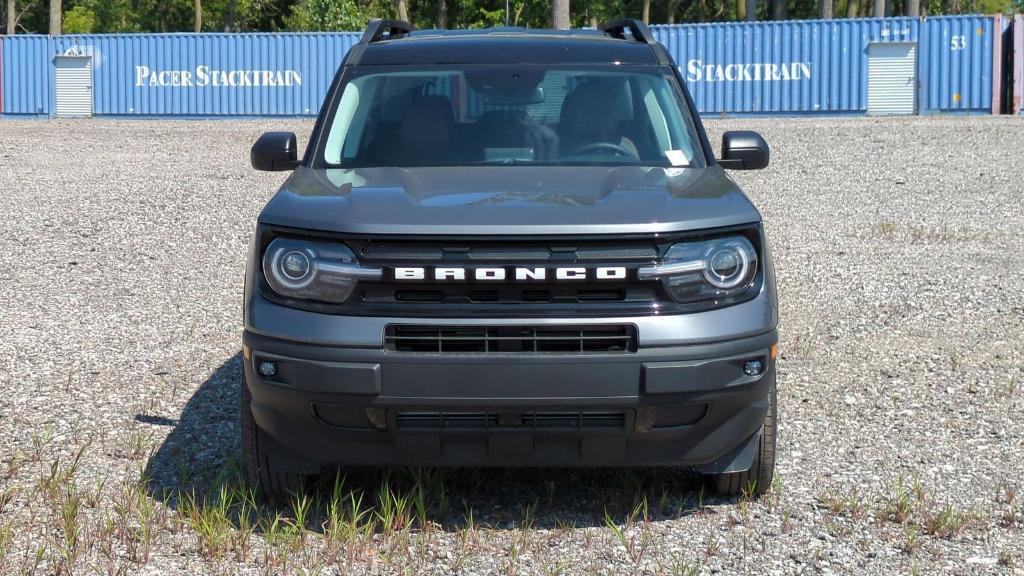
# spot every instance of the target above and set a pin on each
(509, 200)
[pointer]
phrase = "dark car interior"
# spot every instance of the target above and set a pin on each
(507, 117)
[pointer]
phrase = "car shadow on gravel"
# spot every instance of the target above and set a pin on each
(200, 458)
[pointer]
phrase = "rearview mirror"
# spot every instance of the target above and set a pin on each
(744, 150)
(535, 96)
(274, 152)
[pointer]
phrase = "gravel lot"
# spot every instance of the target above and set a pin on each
(899, 255)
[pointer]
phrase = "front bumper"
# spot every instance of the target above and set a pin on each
(689, 405)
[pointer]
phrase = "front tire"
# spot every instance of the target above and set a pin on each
(758, 479)
(260, 457)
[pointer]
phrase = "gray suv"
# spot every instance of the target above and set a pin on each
(509, 247)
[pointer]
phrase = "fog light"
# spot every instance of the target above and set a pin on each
(753, 367)
(267, 368)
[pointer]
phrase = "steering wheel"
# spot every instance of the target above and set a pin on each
(598, 146)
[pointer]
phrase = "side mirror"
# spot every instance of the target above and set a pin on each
(744, 150)
(274, 152)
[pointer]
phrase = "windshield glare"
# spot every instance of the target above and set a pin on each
(510, 115)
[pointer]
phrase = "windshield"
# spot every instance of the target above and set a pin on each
(510, 114)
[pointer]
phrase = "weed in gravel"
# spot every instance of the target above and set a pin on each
(93, 497)
(1010, 516)
(712, 543)
(786, 525)
(60, 478)
(564, 526)
(135, 515)
(33, 560)
(911, 540)
(310, 564)
(298, 524)
(884, 230)
(6, 539)
(210, 520)
(136, 445)
(954, 362)
(774, 495)
(470, 530)
(1006, 493)
(420, 507)
(245, 524)
(70, 528)
(558, 568)
(634, 536)
(946, 522)
(40, 443)
(359, 520)
(275, 558)
(1005, 498)
(335, 528)
(13, 465)
(104, 541)
(149, 518)
(898, 505)
(949, 234)
(850, 503)
(744, 512)
(680, 567)
(392, 510)
(7, 496)
(1006, 559)
(918, 488)
(837, 528)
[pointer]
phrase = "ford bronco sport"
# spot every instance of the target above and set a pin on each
(509, 247)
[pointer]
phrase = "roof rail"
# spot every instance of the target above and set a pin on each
(377, 30)
(637, 29)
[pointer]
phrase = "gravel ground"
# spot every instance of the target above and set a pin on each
(899, 259)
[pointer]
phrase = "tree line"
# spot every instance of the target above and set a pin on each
(125, 16)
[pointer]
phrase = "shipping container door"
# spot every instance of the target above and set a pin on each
(892, 78)
(74, 85)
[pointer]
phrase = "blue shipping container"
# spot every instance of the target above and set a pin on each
(810, 66)
(27, 75)
(789, 67)
(184, 74)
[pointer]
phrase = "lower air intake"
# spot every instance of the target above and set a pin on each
(487, 420)
(590, 339)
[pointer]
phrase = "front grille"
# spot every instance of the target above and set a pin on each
(509, 293)
(589, 339)
(489, 420)
(455, 296)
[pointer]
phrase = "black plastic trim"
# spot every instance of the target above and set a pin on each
(385, 29)
(637, 29)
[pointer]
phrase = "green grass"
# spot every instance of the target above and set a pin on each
(848, 502)
(57, 521)
(946, 522)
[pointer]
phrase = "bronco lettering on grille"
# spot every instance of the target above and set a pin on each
(516, 274)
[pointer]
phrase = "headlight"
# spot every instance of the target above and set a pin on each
(322, 271)
(722, 269)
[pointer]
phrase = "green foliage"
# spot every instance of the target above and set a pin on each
(330, 15)
(995, 6)
(238, 15)
(103, 16)
(106, 15)
(79, 20)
